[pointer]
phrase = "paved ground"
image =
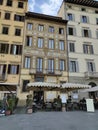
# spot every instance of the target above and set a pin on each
(75, 120)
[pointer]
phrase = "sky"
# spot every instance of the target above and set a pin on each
(49, 7)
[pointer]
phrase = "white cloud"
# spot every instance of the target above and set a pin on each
(31, 5)
(51, 7)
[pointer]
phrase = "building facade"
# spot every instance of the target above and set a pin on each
(44, 55)
(82, 35)
(12, 13)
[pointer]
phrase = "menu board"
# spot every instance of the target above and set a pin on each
(90, 105)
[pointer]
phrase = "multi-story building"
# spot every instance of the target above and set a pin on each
(12, 14)
(82, 36)
(44, 56)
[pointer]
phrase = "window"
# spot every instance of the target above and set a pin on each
(90, 66)
(84, 19)
(96, 11)
(4, 48)
(25, 82)
(71, 47)
(61, 45)
(97, 34)
(1, 2)
(40, 42)
(39, 64)
(51, 44)
(61, 30)
(16, 49)
(73, 66)
(83, 9)
(27, 62)
(13, 69)
(5, 30)
(18, 18)
(29, 41)
(70, 17)
(9, 3)
(71, 31)
(40, 27)
(17, 32)
(51, 66)
(20, 4)
(7, 16)
(97, 21)
(51, 29)
(88, 49)
(2, 70)
(62, 65)
(29, 26)
(86, 33)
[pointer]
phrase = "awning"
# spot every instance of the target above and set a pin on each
(93, 89)
(65, 86)
(46, 85)
(75, 86)
(8, 86)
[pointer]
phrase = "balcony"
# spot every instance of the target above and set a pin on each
(3, 77)
(91, 74)
(45, 72)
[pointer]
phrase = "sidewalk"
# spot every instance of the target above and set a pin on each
(75, 120)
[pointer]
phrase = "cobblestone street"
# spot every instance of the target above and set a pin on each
(75, 120)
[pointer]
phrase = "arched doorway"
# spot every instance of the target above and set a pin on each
(92, 94)
(92, 84)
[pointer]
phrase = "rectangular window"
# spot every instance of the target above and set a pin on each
(62, 65)
(39, 64)
(7, 16)
(90, 66)
(20, 4)
(17, 32)
(16, 49)
(40, 27)
(27, 62)
(83, 9)
(40, 42)
(71, 31)
(71, 47)
(97, 34)
(51, 44)
(1, 2)
(86, 33)
(29, 26)
(2, 70)
(97, 21)
(84, 19)
(73, 66)
(29, 41)
(61, 30)
(51, 29)
(4, 48)
(13, 69)
(5, 30)
(18, 18)
(61, 45)
(70, 17)
(51, 66)
(25, 82)
(9, 3)
(88, 49)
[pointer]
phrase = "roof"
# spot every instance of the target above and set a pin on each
(45, 17)
(90, 3)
